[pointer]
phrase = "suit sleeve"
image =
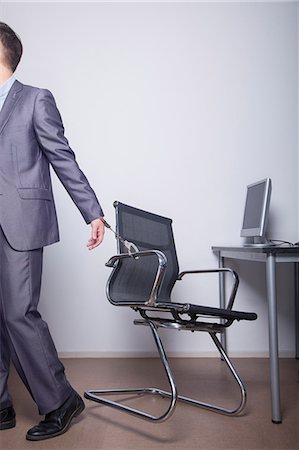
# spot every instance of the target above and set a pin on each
(50, 134)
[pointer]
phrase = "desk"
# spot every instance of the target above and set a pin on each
(271, 256)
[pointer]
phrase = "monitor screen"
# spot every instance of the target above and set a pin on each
(256, 209)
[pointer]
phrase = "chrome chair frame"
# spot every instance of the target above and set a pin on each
(173, 323)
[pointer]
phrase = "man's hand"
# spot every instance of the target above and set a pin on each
(97, 234)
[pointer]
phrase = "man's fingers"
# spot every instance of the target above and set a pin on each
(94, 232)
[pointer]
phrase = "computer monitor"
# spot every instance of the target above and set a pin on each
(256, 212)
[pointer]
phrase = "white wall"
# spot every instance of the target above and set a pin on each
(173, 108)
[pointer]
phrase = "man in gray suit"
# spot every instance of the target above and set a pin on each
(31, 138)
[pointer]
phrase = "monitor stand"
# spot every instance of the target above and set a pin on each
(258, 241)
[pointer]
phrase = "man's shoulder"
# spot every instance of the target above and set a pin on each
(34, 95)
(33, 90)
(29, 88)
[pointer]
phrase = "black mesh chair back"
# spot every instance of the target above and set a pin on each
(132, 280)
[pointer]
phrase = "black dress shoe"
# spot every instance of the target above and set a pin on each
(7, 418)
(57, 422)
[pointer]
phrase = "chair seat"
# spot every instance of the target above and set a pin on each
(220, 312)
(199, 310)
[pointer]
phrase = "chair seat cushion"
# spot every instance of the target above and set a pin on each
(220, 312)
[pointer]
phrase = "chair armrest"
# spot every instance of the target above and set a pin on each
(219, 270)
(162, 263)
(161, 257)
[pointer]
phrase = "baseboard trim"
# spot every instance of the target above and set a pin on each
(134, 354)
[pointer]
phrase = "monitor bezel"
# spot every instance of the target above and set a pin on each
(261, 230)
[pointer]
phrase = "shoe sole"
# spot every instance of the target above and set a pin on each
(9, 424)
(76, 413)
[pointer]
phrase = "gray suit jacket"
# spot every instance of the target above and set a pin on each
(31, 137)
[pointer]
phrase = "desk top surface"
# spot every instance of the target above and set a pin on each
(277, 250)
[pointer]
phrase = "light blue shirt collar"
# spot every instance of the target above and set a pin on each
(5, 88)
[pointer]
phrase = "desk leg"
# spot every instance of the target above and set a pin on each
(222, 301)
(273, 338)
(297, 308)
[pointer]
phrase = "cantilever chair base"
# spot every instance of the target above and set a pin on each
(95, 395)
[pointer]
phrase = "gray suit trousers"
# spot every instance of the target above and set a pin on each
(24, 336)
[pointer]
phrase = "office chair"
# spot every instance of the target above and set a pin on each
(143, 280)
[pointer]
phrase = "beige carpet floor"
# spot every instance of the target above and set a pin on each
(101, 427)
